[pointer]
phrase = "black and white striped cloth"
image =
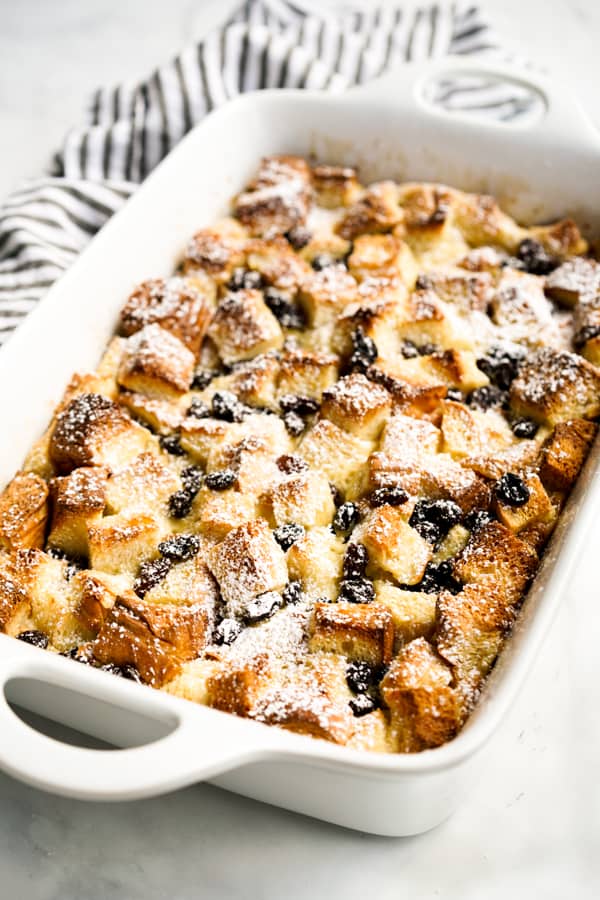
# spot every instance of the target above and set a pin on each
(267, 44)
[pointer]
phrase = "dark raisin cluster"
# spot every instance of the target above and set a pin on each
(299, 237)
(170, 443)
(357, 590)
(585, 334)
(488, 397)
(287, 313)
(198, 409)
(433, 519)
(227, 631)
(534, 258)
(292, 592)
(179, 547)
(390, 495)
(180, 503)
(356, 559)
(362, 679)
(437, 577)
(263, 607)
(150, 574)
(346, 517)
(323, 261)
(364, 351)
(288, 534)
(295, 410)
(290, 465)
(501, 366)
(35, 638)
(220, 480)
(226, 406)
(125, 671)
(245, 279)
(524, 428)
(477, 519)
(512, 490)
(202, 379)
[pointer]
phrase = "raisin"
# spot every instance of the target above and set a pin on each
(323, 261)
(220, 480)
(74, 653)
(428, 349)
(244, 279)
(227, 407)
(357, 590)
(362, 705)
(291, 464)
(535, 258)
(191, 478)
(524, 428)
(294, 423)
(455, 394)
(302, 406)
(360, 676)
(292, 592)
(180, 547)
(409, 350)
(434, 518)
(287, 313)
(437, 577)
(364, 351)
(338, 498)
(355, 562)
(150, 574)
(35, 638)
(286, 535)
(390, 494)
(180, 504)
(487, 397)
(299, 237)
(501, 366)
(346, 517)
(263, 607)
(198, 409)
(202, 379)
(512, 490)
(227, 631)
(477, 519)
(423, 283)
(125, 671)
(74, 563)
(586, 334)
(170, 443)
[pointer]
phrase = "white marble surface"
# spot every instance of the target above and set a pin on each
(532, 825)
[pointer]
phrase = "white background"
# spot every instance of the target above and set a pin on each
(531, 827)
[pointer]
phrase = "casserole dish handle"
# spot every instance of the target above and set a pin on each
(200, 743)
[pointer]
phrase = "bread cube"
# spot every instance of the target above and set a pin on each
(144, 485)
(277, 263)
(335, 185)
(278, 198)
(377, 311)
(324, 294)
(417, 690)
(191, 682)
(576, 281)
(374, 212)
(554, 386)
(119, 543)
(561, 239)
(452, 544)
(316, 560)
(565, 452)
(382, 255)
(405, 443)
(215, 514)
(23, 512)
(96, 594)
(78, 500)
(357, 405)
(255, 380)
(519, 307)
(93, 431)
(248, 562)
(538, 508)
(217, 251)
(471, 629)
(236, 688)
(371, 733)
(482, 222)
(243, 326)
(494, 556)
(15, 605)
(157, 363)
(466, 291)
(452, 368)
(181, 306)
(362, 631)
(394, 546)
(161, 415)
(337, 455)
(306, 374)
(413, 612)
(200, 437)
(426, 320)
(468, 432)
(304, 498)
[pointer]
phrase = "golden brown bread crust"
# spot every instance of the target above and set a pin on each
(565, 452)
(78, 499)
(23, 512)
(157, 363)
(494, 556)
(359, 631)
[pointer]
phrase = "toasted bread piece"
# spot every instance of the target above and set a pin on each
(215, 514)
(96, 594)
(217, 250)
(494, 556)
(377, 311)
(278, 199)
(560, 239)
(324, 294)
(520, 309)
(304, 498)
(469, 432)
(382, 255)
(394, 546)
(413, 612)
(119, 543)
(538, 509)
(181, 306)
(468, 291)
(471, 629)
(15, 605)
(305, 373)
(254, 381)
(277, 263)
(417, 690)
(565, 452)
(482, 222)
(243, 326)
(93, 431)
(157, 363)
(371, 732)
(335, 185)
(316, 561)
(356, 630)
(452, 544)
(200, 437)
(191, 682)
(145, 484)
(376, 211)
(427, 320)
(450, 368)
(248, 562)
(163, 416)
(23, 512)
(357, 405)
(518, 458)
(576, 281)
(554, 386)
(236, 688)
(336, 454)
(78, 500)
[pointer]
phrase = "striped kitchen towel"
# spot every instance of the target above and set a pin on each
(267, 44)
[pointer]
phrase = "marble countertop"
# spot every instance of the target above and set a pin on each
(531, 825)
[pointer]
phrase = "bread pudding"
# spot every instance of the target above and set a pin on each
(315, 471)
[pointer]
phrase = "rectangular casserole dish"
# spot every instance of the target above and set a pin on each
(539, 167)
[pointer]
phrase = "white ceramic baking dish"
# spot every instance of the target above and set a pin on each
(540, 167)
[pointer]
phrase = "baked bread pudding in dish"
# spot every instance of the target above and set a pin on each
(313, 475)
